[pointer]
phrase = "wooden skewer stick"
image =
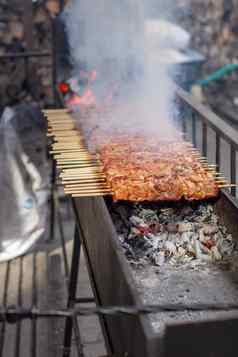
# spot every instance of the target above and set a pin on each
(77, 161)
(71, 182)
(67, 134)
(86, 178)
(79, 179)
(78, 170)
(210, 165)
(51, 116)
(60, 136)
(67, 142)
(61, 124)
(87, 190)
(74, 165)
(227, 186)
(57, 135)
(72, 150)
(70, 166)
(82, 173)
(62, 110)
(66, 146)
(75, 143)
(75, 179)
(69, 138)
(80, 159)
(78, 195)
(59, 118)
(57, 128)
(79, 184)
(71, 169)
(56, 122)
(66, 150)
(58, 114)
(76, 155)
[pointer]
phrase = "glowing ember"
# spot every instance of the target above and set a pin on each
(64, 88)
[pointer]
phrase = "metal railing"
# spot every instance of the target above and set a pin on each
(193, 113)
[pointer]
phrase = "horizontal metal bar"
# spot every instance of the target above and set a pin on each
(26, 54)
(194, 130)
(212, 120)
(12, 315)
(84, 300)
(204, 139)
(233, 171)
(218, 151)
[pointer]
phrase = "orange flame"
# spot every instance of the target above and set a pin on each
(87, 99)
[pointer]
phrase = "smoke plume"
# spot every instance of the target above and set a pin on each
(116, 39)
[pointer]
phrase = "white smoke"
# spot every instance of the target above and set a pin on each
(107, 35)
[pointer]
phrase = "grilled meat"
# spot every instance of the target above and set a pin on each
(139, 170)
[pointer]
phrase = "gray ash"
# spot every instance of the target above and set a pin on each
(179, 236)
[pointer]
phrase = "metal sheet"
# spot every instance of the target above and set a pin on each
(112, 277)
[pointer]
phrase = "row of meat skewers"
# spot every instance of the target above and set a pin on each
(86, 174)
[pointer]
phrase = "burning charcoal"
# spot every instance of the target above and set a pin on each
(181, 252)
(170, 248)
(184, 227)
(199, 254)
(183, 235)
(186, 211)
(186, 237)
(202, 237)
(159, 259)
(156, 227)
(148, 215)
(171, 228)
(226, 247)
(122, 211)
(121, 238)
(134, 232)
(165, 215)
(191, 249)
(216, 255)
(136, 221)
(209, 229)
(180, 259)
(205, 249)
(160, 239)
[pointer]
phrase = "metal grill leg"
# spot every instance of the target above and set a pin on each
(69, 324)
(52, 202)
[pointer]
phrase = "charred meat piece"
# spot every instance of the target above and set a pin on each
(146, 170)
